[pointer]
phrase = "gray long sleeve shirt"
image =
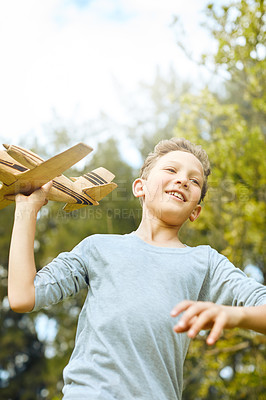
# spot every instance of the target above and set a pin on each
(125, 344)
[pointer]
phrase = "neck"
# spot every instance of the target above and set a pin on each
(155, 232)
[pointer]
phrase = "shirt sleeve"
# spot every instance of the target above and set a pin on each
(63, 277)
(231, 286)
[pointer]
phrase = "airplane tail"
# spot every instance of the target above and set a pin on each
(95, 184)
(100, 191)
(98, 176)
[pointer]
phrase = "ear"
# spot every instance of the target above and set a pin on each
(195, 213)
(137, 187)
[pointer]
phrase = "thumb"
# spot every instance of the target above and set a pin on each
(47, 186)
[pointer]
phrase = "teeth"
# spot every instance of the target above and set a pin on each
(178, 195)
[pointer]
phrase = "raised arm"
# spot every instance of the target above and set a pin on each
(21, 267)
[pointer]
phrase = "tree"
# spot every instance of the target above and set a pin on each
(239, 29)
(231, 128)
(232, 218)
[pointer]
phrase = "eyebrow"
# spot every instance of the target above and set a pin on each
(178, 163)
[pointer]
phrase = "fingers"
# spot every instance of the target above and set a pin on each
(180, 307)
(31, 204)
(216, 331)
(191, 310)
(200, 315)
(43, 192)
(44, 189)
(15, 197)
(212, 317)
(41, 195)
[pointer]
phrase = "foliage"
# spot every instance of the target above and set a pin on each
(239, 29)
(232, 216)
(233, 369)
(231, 129)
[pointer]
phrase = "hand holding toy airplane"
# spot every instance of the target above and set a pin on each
(22, 171)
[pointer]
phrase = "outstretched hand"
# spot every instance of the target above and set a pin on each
(35, 200)
(198, 315)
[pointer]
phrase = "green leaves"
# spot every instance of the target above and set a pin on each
(232, 131)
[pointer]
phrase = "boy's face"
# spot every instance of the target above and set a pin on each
(172, 190)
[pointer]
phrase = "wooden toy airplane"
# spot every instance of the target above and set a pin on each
(22, 171)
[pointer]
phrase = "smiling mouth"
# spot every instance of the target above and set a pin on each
(177, 195)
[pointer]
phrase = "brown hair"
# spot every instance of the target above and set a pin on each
(165, 146)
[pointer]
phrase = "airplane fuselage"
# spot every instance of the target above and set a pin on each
(15, 161)
(63, 188)
(22, 171)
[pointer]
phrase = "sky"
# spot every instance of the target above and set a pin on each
(71, 59)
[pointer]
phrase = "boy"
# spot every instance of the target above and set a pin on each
(128, 341)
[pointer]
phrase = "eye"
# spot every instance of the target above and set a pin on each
(170, 169)
(193, 180)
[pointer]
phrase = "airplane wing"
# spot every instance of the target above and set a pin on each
(30, 180)
(23, 156)
(9, 168)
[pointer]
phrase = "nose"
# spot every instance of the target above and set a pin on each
(182, 180)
